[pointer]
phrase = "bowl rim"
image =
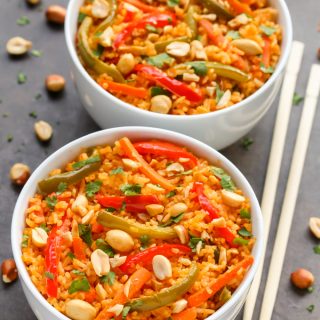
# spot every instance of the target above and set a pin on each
(286, 45)
(19, 212)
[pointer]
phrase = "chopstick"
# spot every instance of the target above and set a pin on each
(274, 163)
(291, 193)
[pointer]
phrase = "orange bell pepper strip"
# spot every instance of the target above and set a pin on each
(216, 37)
(79, 248)
(142, 6)
(203, 295)
(153, 175)
(137, 280)
(124, 89)
(188, 314)
(239, 7)
(266, 52)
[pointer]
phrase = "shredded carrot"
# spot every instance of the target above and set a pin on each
(90, 296)
(97, 228)
(143, 7)
(154, 176)
(266, 52)
(188, 314)
(203, 295)
(239, 7)
(124, 89)
(79, 248)
(215, 36)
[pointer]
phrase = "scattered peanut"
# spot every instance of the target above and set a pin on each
(190, 77)
(55, 83)
(102, 294)
(18, 46)
(182, 233)
(179, 306)
(131, 164)
(80, 310)
(39, 237)
(100, 262)
(119, 240)
(80, 204)
(302, 278)
(9, 271)
(154, 209)
(43, 130)
(87, 218)
(19, 173)
(100, 9)
(178, 49)
(56, 14)
(175, 167)
(314, 225)
(105, 39)
(177, 208)
(117, 260)
(232, 199)
(198, 51)
(126, 63)
(161, 104)
(161, 267)
(248, 46)
(116, 309)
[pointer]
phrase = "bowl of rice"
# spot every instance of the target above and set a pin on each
(120, 224)
(209, 69)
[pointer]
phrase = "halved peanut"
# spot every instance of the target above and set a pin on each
(179, 305)
(178, 49)
(56, 14)
(314, 225)
(43, 130)
(120, 240)
(80, 310)
(190, 77)
(100, 262)
(102, 294)
(175, 167)
(126, 288)
(182, 233)
(219, 222)
(117, 260)
(248, 46)
(67, 238)
(177, 209)
(105, 39)
(198, 51)
(126, 63)
(80, 204)
(100, 9)
(161, 267)
(18, 46)
(39, 237)
(161, 104)
(87, 218)
(232, 199)
(131, 164)
(154, 209)
(55, 83)
(116, 309)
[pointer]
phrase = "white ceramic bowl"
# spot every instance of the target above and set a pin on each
(42, 309)
(218, 129)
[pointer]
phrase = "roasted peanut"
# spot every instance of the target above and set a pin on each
(9, 271)
(302, 278)
(55, 83)
(119, 240)
(19, 173)
(18, 46)
(80, 310)
(161, 267)
(161, 104)
(56, 14)
(100, 262)
(43, 130)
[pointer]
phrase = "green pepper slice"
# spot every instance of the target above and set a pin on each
(191, 21)
(89, 58)
(109, 19)
(217, 7)
(134, 228)
(50, 184)
(166, 296)
(161, 45)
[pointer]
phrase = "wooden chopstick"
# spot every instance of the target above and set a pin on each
(274, 163)
(291, 193)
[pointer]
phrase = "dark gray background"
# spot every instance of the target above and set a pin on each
(71, 121)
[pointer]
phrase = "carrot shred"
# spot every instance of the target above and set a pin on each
(188, 314)
(90, 296)
(203, 295)
(239, 7)
(79, 248)
(266, 52)
(124, 89)
(133, 154)
(216, 37)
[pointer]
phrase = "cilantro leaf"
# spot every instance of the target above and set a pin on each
(71, 255)
(246, 143)
(151, 28)
(62, 187)
(145, 240)
(44, 227)
(268, 31)
(316, 249)
(82, 163)
(265, 69)
(21, 78)
(51, 202)
(102, 245)
(171, 194)
(85, 233)
(160, 60)
(23, 20)
(156, 91)
(200, 68)
(240, 241)
(172, 3)
(245, 214)
(92, 188)
(297, 99)
(194, 242)
(118, 170)
(98, 51)
(78, 272)
(25, 240)
(49, 275)
(310, 308)
(36, 53)
(108, 278)
(227, 183)
(244, 232)
(130, 189)
(173, 220)
(33, 114)
(125, 312)
(81, 17)
(79, 285)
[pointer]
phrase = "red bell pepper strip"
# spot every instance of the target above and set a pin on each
(167, 149)
(176, 87)
(145, 257)
(216, 37)
(97, 228)
(213, 213)
(158, 20)
(79, 248)
(142, 6)
(134, 204)
(266, 52)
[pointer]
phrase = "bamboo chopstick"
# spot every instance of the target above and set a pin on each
(272, 177)
(291, 193)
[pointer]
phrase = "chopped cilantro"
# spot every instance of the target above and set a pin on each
(240, 241)
(246, 143)
(151, 28)
(92, 188)
(108, 278)
(156, 91)
(310, 308)
(38, 96)
(227, 183)
(9, 138)
(125, 312)
(268, 31)
(21, 78)
(110, 209)
(310, 289)
(49, 275)
(51, 202)
(23, 20)
(194, 242)
(219, 93)
(297, 99)
(25, 240)
(171, 194)
(172, 3)
(78, 272)
(33, 114)
(118, 170)
(62, 187)
(244, 232)
(316, 249)
(79, 285)
(130, 189)
(98, 51)
(199, 67)
(245, 214)
(36, 53)
(81, 17)
(71, 255)
(82, 163)
(265, 69)
(233, 34)
(102, 245)
(160, 60)
(85, 233)
(145, 240)
(173, 220)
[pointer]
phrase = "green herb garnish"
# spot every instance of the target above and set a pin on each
(23, 20)
(108, 278)
(173, 220)
(310, 308)
(51, 202)
(151, 28)
(102, 245)
(71, 255)
(172, 3)
(25, 240)
(219, 93)
(297, 99)
(79, 285)
(78, 272)
(33, 114)
(156, 91)
(44, 227)
(85, 233)
(118, 170)
(81, 17)
(21, 78)
(268, 31)
(316, 249)
(194, 242)
(171, 194)
(98, 51)
(160, 60)
(130, 189)
(110, 209)
(199, 67)
(246, 143)
(244, 232)
(240, 241)
(49, 275)
(233, 35)
(9, 138)
(265, 69)
(92, 188)
(125, 312)
(145, 241)
(62, 187)
(245, 214)
(36, 53)
(82, 163)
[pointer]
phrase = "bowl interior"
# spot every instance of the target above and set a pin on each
(71, 150)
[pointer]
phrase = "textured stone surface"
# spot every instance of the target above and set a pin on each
(70, 121)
